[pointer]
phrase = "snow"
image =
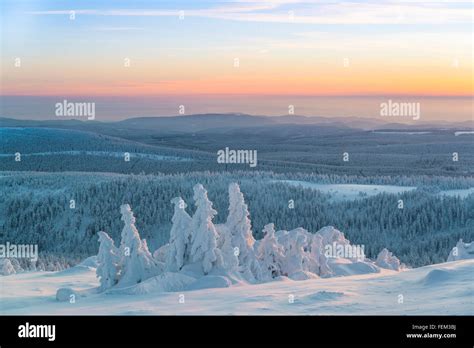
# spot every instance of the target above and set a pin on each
(302, 275)
(165, 282)
(462, 193)
(326, 296)
(350, 192)
(91, 261)
(386, 259)
(401, 132)
(437, 277)
(136, 262)
(210, 282)
(462, 251)
(102, 154)
(270, 253)
(6, 267)
(198, 248)
(344, 267)
(108, 259)
(239, 226)
(204, 234)
(65, 294)
(179, 244)
(71, 271)
(441, 289)
(201, 257)
(458, 133)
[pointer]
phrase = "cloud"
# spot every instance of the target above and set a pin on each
(309, 12)
(403, 42)
(117, 28)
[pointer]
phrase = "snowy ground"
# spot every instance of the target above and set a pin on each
(462, 193)
(102, 154)
(401, 132)
(463, 133)
(440, 289)
(350, 192)
(343, 192)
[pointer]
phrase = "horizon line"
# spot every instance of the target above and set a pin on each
(234, 113)
(244, 94)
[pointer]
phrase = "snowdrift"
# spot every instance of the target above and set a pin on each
(166, 282)
(440, 289)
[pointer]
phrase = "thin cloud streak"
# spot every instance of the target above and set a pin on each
(400, 12)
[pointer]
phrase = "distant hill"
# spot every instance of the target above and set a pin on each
(219, 123)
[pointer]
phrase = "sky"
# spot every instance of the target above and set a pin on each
(282, 47)
(259, 48)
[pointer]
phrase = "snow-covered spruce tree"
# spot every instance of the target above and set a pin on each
(179, 236)
(230, 259)
(270, 254)
(108, 259)
(136, 263)
(6, 267)
(461, 251)
(296, 259)
(319, 260)
(239, 225)
(386, 259)
(203, 232)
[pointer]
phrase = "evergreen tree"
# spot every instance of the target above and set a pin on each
(230, 259)
(204, 234)
(179, 236)
(271, 254)
(137, 263)
(108, 259)
(319, 260)
(239, 225)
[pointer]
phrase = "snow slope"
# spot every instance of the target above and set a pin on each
(440, 289)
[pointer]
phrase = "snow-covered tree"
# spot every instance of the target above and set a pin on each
(161, 254)
(203, 232)
(230, 260)
(320, 263)
(137, 263)
(108, 259)
(461, 251)
(239, 225)
(386, 259)
(6, 267)
(179, 236)
(296, 258)
(270, 254)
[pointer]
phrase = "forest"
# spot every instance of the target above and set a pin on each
(36, 208)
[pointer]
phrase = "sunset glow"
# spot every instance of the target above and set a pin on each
(241, 47)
